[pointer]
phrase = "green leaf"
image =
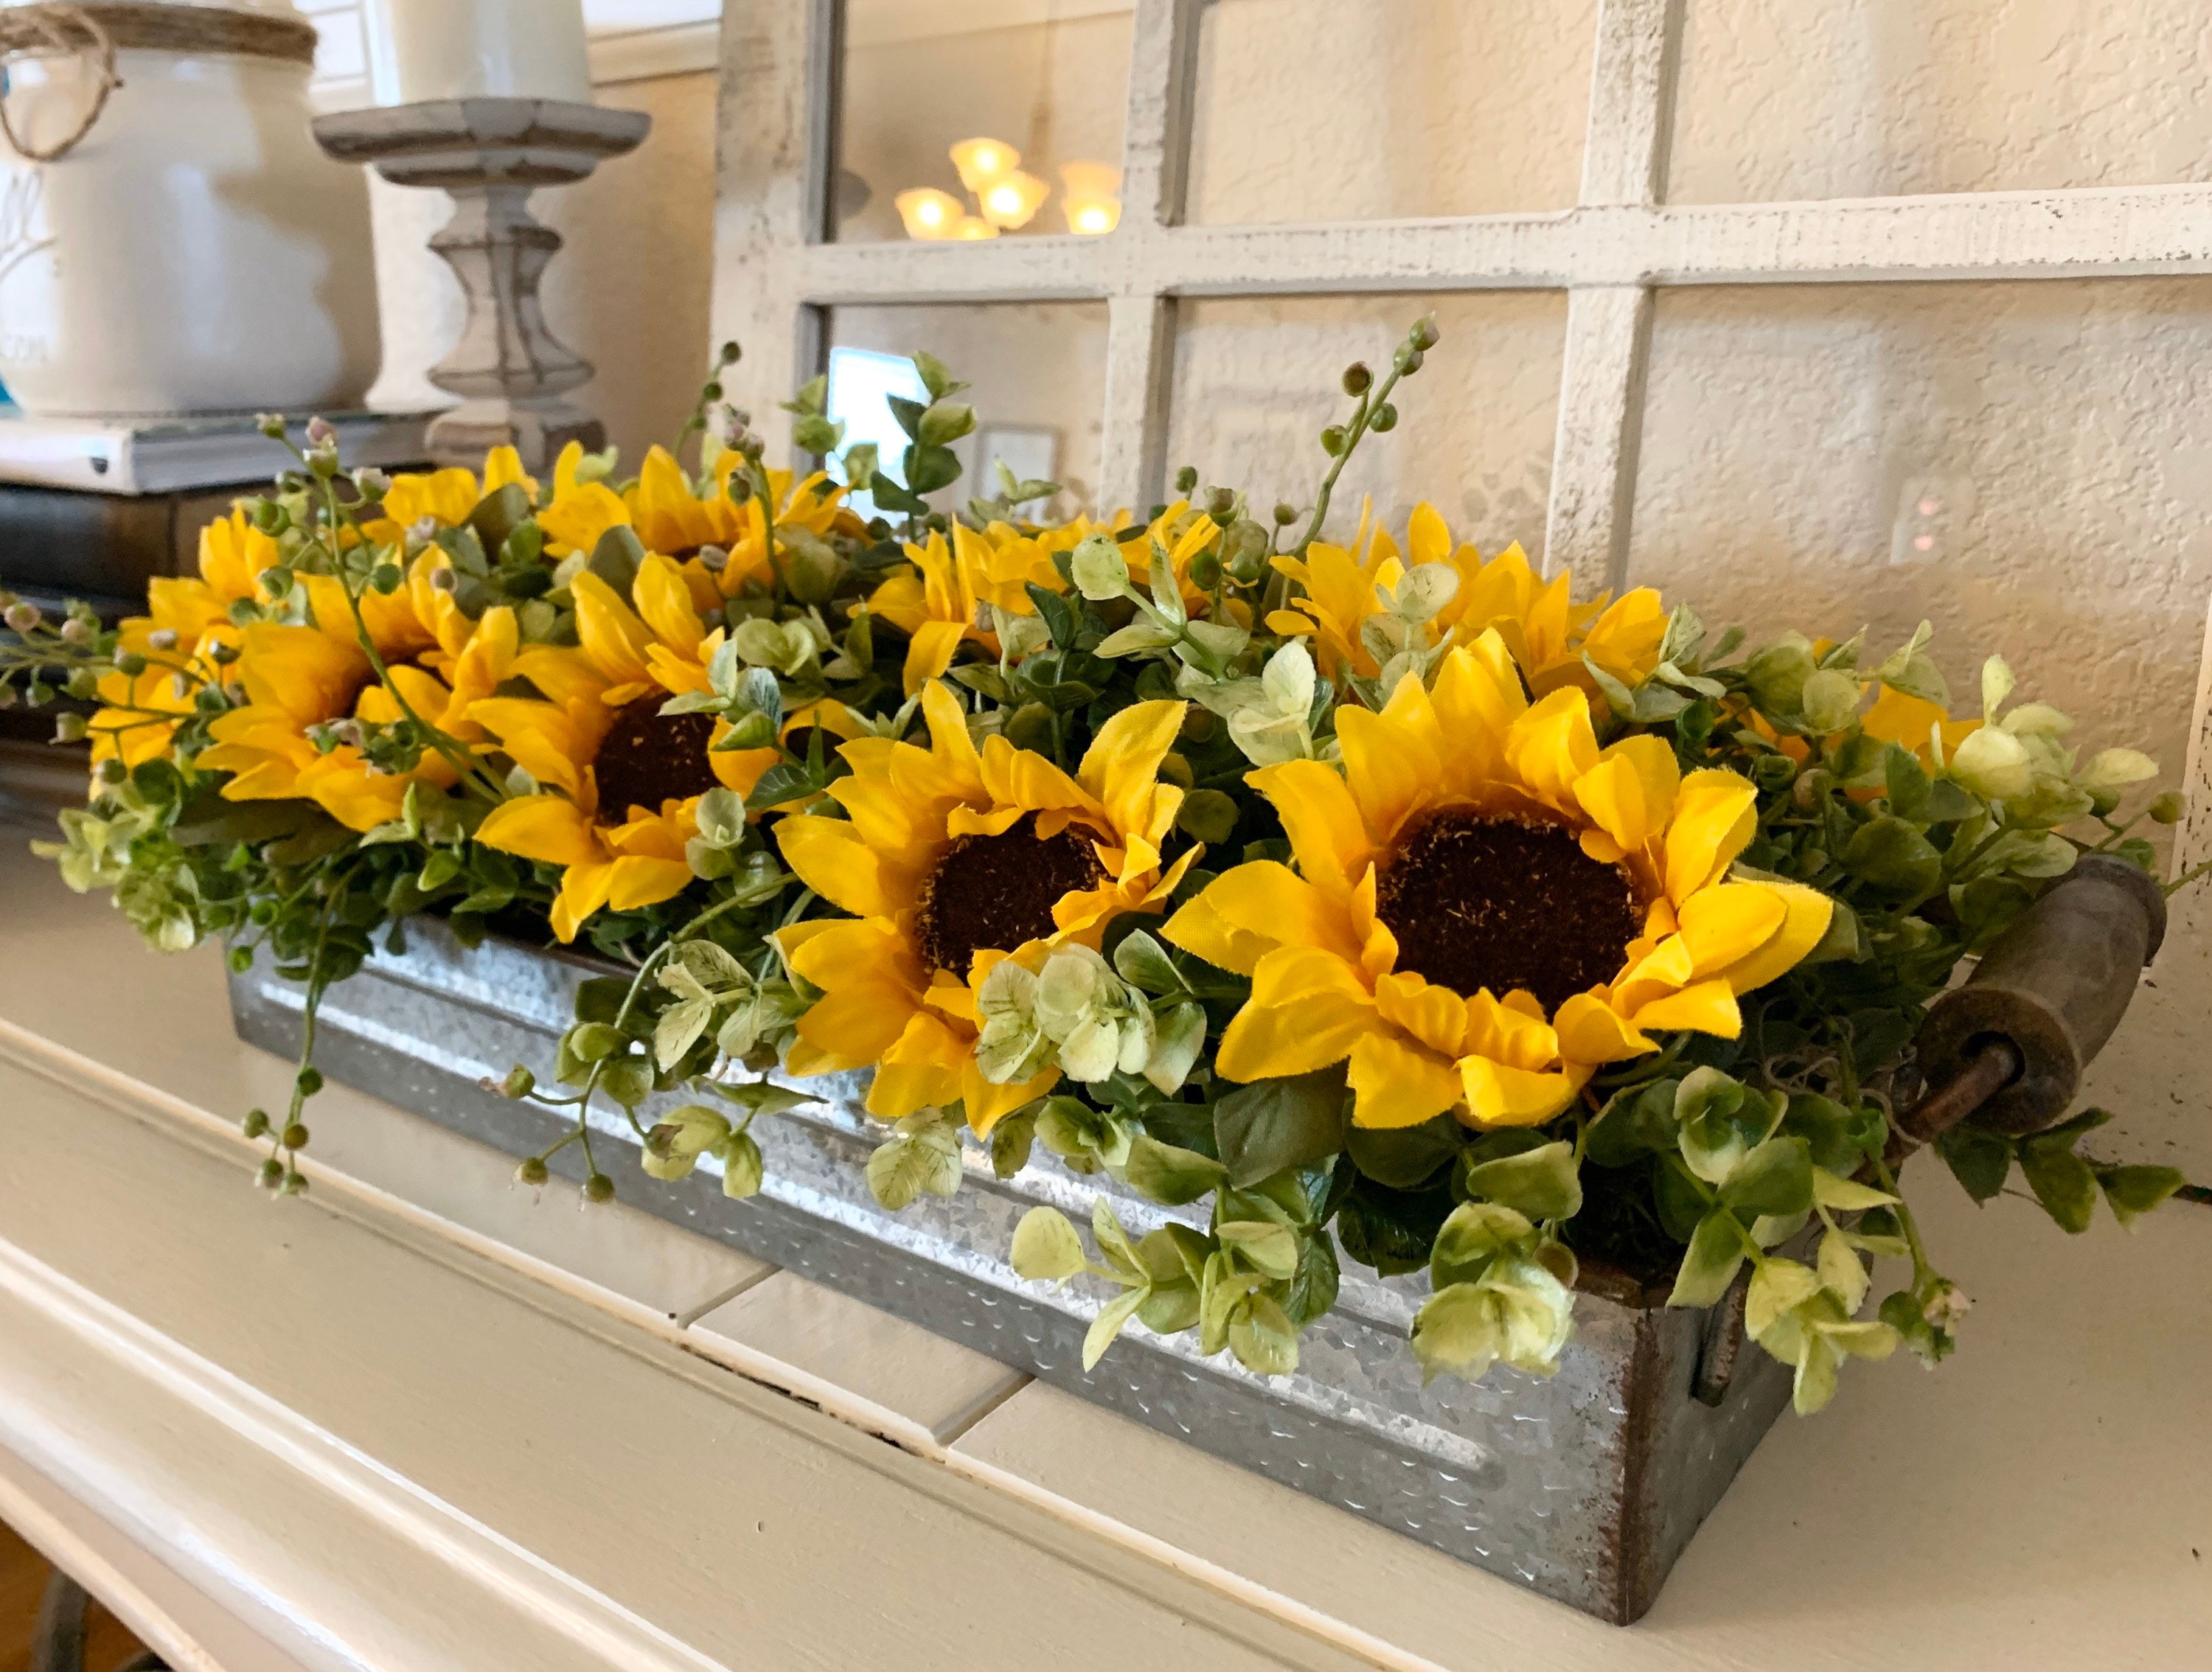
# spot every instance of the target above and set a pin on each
(1176, 1046)
(1892, 855)
(1164, 1174)
(1270, 1249)
(1777, 1287)
(1909, 785)
(1542, 1183)
(1264, 1339)
(1058, 616)
(911, 1164)
(1980, 1161)
(1046, 1248)
(2062, 1183)
(1636, 1121)
(1405, 1158)
(1714, 1255)
(1775, 1180)
(743, 1168)
(1170, 1307)
(679, 1028)
(616, 558)
(1313, 1284)
(1010, 1142)
(1843, 1274)
(498, 513)
(934, 377)
(1144, 963)
(1473, 1238)
(2135, 1191)
(1114, 1242)
(1117, 1313)
(1844, 1195)
(1273, 1124)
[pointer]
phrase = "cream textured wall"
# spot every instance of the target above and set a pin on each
(1864, 98)
(1257, 381)
(1314, 110)
(2028, 465)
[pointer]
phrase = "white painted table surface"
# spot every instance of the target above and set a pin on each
(418, 1419)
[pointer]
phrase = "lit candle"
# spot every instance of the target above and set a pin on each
(479, 49)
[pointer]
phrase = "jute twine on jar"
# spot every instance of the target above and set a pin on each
(96, 31)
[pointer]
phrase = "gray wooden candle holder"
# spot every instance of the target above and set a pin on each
(511, 372)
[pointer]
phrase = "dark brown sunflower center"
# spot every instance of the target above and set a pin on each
(649, 757)
(995, 892)
(1496, 903)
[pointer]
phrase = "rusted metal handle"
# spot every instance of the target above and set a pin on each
(2008, 1049)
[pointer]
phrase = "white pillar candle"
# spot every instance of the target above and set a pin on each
(475, 49)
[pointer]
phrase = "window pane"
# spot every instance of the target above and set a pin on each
(1030, 93)
(1313, 110)
(1794, 98)
(1257, 381)
(1039, 375)
(2029, 466)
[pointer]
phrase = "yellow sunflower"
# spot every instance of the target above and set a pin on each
(445, 496)
(621, 780)
(300, 676)
(943, 599)
(951, 860)
(669, 518)
(1546, 632)
(188, 617)
(1487, 907)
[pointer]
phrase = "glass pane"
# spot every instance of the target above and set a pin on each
(1039, 375)
(1312, 110)
(978, 119)
(2029, 466)
(1795, 99)
(1255, 381)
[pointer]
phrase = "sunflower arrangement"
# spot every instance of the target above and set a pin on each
(1381, 900)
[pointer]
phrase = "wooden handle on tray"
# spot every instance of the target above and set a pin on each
(2008, 1049)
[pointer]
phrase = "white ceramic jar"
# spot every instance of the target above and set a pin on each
(195, 251)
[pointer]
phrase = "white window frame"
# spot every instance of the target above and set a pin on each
(776, 270)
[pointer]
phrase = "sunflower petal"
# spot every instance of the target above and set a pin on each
(1307, 1011)
(922, 1068)
(549, 828)
(1319, 817)
(1805, 921)
(1715, 815)
(1397, 1084)
(1708, 1007)
(1394, 760)
(831, 857)
(1590, 1032)
(1499, 1095)
(1123, 765)
(664, 599)
(1552, 746)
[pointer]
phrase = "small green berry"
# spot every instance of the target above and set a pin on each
(271, 1174)
(255, 1124)
(294, 1183)
(1358, 379)
(1285, 514)
(2168, 808)
(1187, 479)
(310, 1081)
(1332, 440)
(531, 1172)
(599, 1187)
(295, 1136)
(1385, 419)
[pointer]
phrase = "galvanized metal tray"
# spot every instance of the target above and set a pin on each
(1585, 1486)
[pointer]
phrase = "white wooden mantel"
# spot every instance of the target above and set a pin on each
(422, 1419)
